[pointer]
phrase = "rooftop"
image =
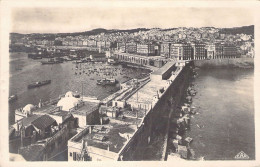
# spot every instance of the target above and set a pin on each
(87, 108)
(46, 109)
(32, 152)
(114, 134)
(28, 120)
(127, 112)
(164, 68)
(146, 93)
(43, 122)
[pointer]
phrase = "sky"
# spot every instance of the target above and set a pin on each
(60, 20)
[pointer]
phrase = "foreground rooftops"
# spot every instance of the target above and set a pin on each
(111, 137)
(82, 109)
(32, 152)
(86, 108)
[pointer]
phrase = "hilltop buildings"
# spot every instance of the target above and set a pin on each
(153, 42)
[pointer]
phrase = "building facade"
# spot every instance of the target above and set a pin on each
(199, 51)
(146, 49)
(176, 51)
(165, 49)
(131, 47)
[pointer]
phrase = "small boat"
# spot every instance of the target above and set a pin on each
(53, 61)
(106, 81)
(50, 61)
(18, 69)
(12, 98)
(38, 84)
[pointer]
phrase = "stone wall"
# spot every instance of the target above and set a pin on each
(157, 118)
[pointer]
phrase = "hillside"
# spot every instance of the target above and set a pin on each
(249, 30)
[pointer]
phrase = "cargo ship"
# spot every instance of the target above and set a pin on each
(38, 84)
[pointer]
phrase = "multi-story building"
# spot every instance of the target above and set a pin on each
(80, 43)
(108, 43)
(165, 49)
(85, 43)
(92, 43)
(131, 47)
(210, 50)
(70, 43)
(218, 51)
(230, 51)
(74, 43)
(146, 49)
(181, 51)
(65, 43)
(121, 47)
(187, 51)
(222, 36)
(176, 51)
(199, 51)
(101, 44)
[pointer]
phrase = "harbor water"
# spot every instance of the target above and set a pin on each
(64, 77)
(224, 124)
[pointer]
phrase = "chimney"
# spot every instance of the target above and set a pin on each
(83, 143)
(90, 130)
(121, 157)
(40, 104)
(108, 147)
(101, 121)
(17, 126)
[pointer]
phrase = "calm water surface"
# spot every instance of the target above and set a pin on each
(225, 102)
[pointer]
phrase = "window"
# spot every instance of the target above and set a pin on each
(70, 154)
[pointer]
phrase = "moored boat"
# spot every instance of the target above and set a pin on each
(38, 84)
(106, 81)
(12, 98)
(53, 61)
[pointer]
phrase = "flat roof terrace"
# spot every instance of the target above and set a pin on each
(146, 94)
(168, 66)
(86, 108)
(113, 135)
(46, 109)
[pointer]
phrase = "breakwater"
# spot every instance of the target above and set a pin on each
(225, 63)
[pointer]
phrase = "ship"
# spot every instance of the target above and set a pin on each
(53, 61)
(38, 84)
(35, 55)
(106, 81)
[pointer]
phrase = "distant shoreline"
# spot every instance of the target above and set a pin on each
(225, 63)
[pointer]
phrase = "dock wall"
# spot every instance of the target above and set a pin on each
(156, 121)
